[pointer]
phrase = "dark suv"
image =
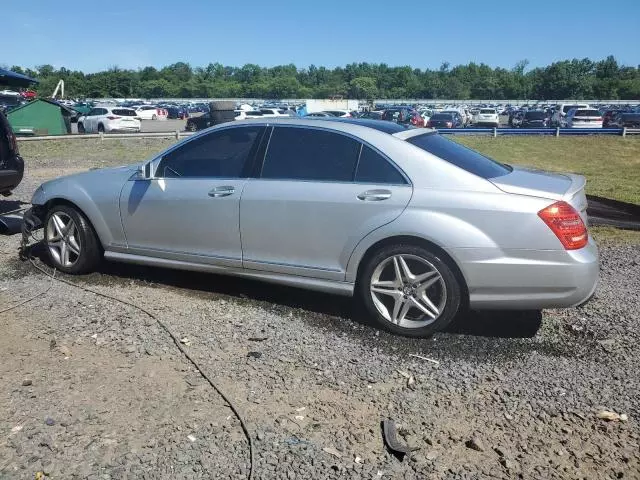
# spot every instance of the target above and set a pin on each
(11, 163)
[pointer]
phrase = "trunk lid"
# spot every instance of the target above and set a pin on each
(539, 183)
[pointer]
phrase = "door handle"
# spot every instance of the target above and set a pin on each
(375, 195)
(224, 191)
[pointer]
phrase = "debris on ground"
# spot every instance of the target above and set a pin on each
(389, 434)
(332, 451)
(474, 443)
(427, 359)
(254, 354)
(612, 416)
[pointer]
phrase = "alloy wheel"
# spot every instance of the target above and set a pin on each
(62, 239)
(408, 291)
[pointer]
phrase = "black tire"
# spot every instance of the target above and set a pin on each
(100, 128)
(90, 248)
(154, 117)
(448, 312)
(191, 127)
(81, 128)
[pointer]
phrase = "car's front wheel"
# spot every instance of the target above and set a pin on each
(409, 290)
(191, 127)
(72, 245)
(81, 128)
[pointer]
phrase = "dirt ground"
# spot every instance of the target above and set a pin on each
(95, 389)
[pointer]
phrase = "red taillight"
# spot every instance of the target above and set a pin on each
(565, 222)
(113, 117)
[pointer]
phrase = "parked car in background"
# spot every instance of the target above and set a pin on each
(373, 115)
(487, 117)
(414, 248)
(609, 115)
(534, 119)
(561, 111)
(340, 113)
(626, 120)
(245, 114)
(445, 120)
(9, 102)
(274, 112)
(403, 116)
(11, 163)
(109, 119)
(198, 123)
(320, 115)
(176, 112)
(583, 118)
(150, 112)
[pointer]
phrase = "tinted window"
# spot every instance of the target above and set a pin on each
(587, 113)
(124, 112)
(566, 108)
(308, 154)
(535, 115)
(488, 111)
(442, 116)
(218, 154)
(374, 168)
(463, 157)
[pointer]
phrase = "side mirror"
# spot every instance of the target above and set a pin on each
(144, 172)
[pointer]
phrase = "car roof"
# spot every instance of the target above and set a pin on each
(354, 126)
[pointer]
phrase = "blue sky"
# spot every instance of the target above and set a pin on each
(95, 35)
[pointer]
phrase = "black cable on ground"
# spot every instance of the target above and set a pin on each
(175, 339)
(30, 299)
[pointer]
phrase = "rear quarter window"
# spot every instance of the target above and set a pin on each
(460, 156)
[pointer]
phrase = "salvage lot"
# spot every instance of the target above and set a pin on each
(93, 388)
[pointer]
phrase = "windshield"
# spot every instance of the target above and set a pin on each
(460, 156)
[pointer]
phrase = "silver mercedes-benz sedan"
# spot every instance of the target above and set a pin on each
(414, 225)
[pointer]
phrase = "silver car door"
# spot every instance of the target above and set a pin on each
(189, 211)
(305, 214)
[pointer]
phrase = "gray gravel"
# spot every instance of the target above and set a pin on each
(94, 389)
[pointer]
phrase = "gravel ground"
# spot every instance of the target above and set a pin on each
(95, 389)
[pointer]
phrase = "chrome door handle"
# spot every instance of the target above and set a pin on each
(222, 192)
(375, 195)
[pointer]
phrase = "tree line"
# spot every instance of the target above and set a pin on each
(577, 79)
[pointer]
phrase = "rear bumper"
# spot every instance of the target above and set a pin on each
(529, 279)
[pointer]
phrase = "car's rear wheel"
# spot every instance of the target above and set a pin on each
(72, 245)
(154, 117)
(81, 128)
(409, 290)
(191, 127)
(100, 128)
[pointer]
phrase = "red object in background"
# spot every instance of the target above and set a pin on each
(28, 94)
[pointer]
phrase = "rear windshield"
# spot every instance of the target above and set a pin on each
(460, 156)
(566, 108)
(535, 115)
(442, 116)
(488, 110)
(587, 113)
(124, 112)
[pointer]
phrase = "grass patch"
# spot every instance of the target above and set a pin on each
(615, 236)
(610, 164)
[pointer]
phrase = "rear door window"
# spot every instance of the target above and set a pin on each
(374, 168)
(461, 156)
(310, 154)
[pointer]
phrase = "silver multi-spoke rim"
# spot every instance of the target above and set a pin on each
(63, 239)
(408, 291)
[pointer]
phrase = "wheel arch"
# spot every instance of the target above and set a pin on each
(49, 204)
(419, 242)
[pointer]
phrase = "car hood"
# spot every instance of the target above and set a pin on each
(539, 183)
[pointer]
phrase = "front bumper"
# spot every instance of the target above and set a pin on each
(529, 279)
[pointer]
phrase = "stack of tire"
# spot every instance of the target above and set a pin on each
(222, 111)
